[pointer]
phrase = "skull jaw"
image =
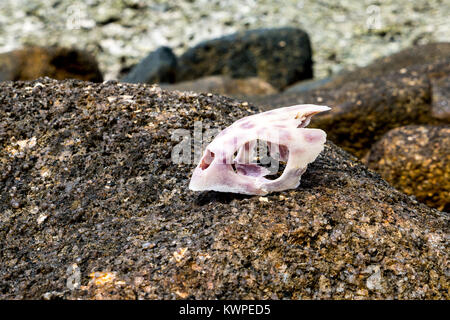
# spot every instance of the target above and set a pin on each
(222, 178)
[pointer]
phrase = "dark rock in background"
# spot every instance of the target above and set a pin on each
(416, 160)
(307, 85)
(158, 67)
(363, 111)
(55, 62)
(279, 56)
(225, 85)
(91, 206)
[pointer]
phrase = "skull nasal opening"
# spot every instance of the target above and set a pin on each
(260, 158)
(207, 159)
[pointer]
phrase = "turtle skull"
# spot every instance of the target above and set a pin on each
(228, 165)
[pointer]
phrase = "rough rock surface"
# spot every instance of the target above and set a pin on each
(91, 206)
(363, 111)
(56, 62)
(225, 85)
(159, 66)
(280, 56)
(416, 160)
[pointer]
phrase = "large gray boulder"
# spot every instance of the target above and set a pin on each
(91, 206)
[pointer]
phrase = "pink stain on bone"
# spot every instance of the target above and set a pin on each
(228, 164)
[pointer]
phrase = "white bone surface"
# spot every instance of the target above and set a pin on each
(226, 164)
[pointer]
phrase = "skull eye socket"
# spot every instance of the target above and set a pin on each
(261, 158)
(207, 160)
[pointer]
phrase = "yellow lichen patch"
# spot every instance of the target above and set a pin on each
(102, 278)
(181, 294)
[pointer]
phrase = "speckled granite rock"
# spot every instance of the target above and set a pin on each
(225, 85)
(364, 110)
(59, 63)
(159, 66)
(280, 56)
(416, 160)
(91, 206)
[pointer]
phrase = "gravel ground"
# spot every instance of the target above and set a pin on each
(344, 34)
